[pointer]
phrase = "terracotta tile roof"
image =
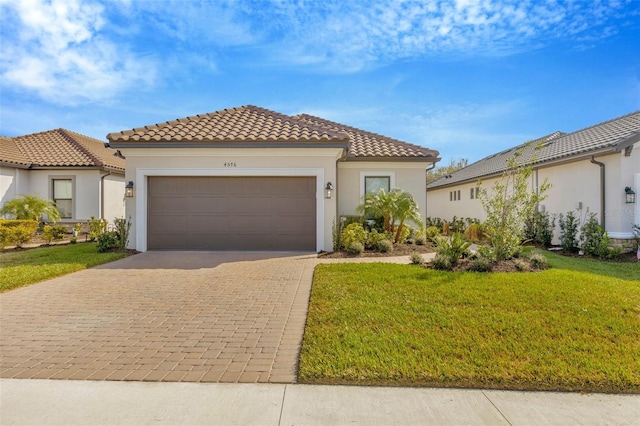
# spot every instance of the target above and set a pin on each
(10, 154)
(60, 148)
(257, 125)
(368, 145)
(242, 124)
(609, 135)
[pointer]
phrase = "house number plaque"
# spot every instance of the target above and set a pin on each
(231, 164)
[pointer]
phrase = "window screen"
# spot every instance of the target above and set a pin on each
(63, 197)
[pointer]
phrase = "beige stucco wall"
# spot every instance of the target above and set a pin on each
(145, 162)
(575, 184)
(409, 176)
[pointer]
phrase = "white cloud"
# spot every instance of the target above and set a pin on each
(54, 49)
(349, 36)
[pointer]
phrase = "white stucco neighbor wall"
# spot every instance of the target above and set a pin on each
(86, 190)
(575, 187)
(409, 176)
(113, 186)
(144, 162)
(13, 181)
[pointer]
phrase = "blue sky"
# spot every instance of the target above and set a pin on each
(468, 78)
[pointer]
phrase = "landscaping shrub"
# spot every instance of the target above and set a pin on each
(480, 264)
(77, 229)
(453, 248)
(416, 259)
(521, 265)
(47, 234)
(538, 261)
(457, 225)
(374, 237)
(4, 237)
(595, 241)
(435, 222)
(17, 232)
(420, 240)
(355, 248)
(473, 232)
(353, 233)
(21, 235)
(96, 227)
(432, 232)
(539, 228)
(122, 228)
(108, 240)
(385, 246)
(569, 232)
(442, 263)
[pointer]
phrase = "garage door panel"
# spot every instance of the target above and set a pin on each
(232, 213)
(206, 204)
(168, 204)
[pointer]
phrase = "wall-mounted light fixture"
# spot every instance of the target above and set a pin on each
(630, 196)
(328, 190)
(128, 190)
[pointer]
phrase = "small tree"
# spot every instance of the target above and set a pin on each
(30, 207)
(454, 166)
(508, 206)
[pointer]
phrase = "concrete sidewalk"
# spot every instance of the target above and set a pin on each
(66, 402)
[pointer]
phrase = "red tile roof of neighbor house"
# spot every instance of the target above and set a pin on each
(251, 124)
(609, 136)
(59, 148)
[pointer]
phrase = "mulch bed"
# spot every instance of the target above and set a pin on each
(398, 250)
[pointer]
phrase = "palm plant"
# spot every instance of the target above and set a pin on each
(395, 207)
(30, 207)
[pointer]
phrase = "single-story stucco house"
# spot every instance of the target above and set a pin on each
(592, 171)
(79, 173)
(248, 178)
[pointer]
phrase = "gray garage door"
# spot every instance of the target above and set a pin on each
(231, 213)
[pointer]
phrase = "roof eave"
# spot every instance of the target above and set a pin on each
(538, 165)
(4, 163)
(254, 144)
(416, 159)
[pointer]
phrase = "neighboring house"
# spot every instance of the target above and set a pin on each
(83, 176)
(589, 170)
(248, 178)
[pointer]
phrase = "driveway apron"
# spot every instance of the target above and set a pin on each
(162, 316)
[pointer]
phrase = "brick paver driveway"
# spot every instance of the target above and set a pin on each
(162, 316)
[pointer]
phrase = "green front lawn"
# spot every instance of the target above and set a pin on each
(20, 268)
(574, 327)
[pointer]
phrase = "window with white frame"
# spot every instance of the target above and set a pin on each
(373, 184)
(62, 195)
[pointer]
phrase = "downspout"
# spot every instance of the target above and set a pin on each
(102, 194)
(602, 191)
(426, 190)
